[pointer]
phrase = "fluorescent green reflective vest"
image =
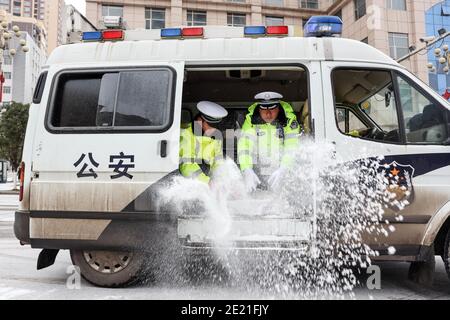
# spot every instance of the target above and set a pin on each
(199, 155)
(267, 143)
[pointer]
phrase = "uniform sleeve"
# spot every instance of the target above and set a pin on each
(189, 168)
(246, 146)
(291, 141)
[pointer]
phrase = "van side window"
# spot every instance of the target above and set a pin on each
(113, 99)
(348, 122)
(368, 97)
(426, 121)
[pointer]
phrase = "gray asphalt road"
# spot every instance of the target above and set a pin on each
(19, 278)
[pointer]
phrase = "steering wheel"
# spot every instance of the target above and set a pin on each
(372, 133)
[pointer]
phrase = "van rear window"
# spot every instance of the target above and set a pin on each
(120, 99)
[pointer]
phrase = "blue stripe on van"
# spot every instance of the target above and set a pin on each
(422, 163)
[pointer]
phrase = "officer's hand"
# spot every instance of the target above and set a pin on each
(276, 178)
(251, 180)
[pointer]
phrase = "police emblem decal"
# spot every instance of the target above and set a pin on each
(294, 124)
(400, 184)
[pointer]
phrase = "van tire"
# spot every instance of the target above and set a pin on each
(446, 254)
(422, 272)
(129, 271)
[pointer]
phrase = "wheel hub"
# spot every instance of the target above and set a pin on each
(107, 261)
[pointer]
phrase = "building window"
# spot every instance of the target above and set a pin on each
(6, 89)
(445, 10)
(6, 60)
(7, 75)
(396, 4)
(274, 3)
(155, 18)
(238, 1)
(196, 18)
(5, 5)
(360, 8)
(112, 11)
(398, 45)
(309, 4)
(16, 11)
(274, 21)
(236, 19)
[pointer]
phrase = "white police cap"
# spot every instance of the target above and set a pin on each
(211, 112)
(268, 99)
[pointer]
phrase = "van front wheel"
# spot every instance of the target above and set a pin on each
(109, 268)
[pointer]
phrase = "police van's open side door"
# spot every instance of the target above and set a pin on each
(377, 110)
(111, 131)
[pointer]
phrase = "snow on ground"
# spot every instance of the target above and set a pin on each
(19, 278)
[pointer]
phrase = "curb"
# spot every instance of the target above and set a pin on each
(9, 192)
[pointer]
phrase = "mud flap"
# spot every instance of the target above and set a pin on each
(46, 258)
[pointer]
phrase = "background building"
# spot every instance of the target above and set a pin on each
(22, 70)
(168, 13)
(74, 24)
(55, 11)
(436, 17)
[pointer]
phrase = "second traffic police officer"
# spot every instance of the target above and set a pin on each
(201, 146)
(269, 135)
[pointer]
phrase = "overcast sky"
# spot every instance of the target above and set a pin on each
(79, 4)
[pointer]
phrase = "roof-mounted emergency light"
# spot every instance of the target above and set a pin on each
(323, 26)
(92, 36)
(254, 31)
(277, 30)
(113, 35)
(181, 33)
(171, 33)
(192, 32)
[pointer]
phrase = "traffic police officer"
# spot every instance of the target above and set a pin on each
(201, 146)
(269, 135)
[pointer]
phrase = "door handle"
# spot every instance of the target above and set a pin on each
(163, 149)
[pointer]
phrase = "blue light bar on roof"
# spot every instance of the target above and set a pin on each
(171, 32)
(323, 26)
(254, 31)
(92, 36)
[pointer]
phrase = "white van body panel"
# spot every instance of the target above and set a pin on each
(54, 154)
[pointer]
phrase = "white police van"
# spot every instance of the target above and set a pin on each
(104, 128)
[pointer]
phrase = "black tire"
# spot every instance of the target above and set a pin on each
(110, 269)
(422, 272)
(446, 255)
